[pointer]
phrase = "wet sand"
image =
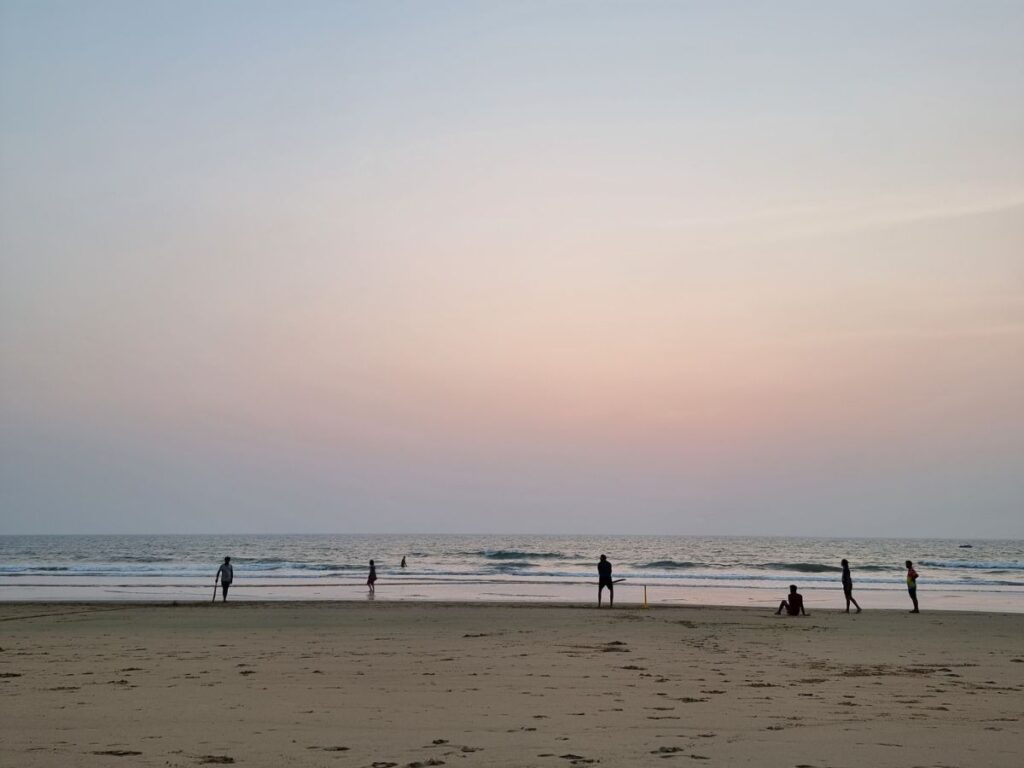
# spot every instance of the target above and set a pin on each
(406, 684)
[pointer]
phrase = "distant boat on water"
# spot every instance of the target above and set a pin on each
(966, 546)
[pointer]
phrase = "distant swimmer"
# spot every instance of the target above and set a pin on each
(794, 604)
(403, 562)
(372, 578)
(225, 575)
(912, 585)
(848, 586)
(604, 579)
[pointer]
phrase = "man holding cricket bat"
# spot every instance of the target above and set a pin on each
(604, 579)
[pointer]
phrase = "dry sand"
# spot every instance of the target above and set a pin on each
(399, 684)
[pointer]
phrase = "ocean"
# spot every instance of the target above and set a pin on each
(670, 570)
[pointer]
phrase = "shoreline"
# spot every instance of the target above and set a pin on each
(326, 604)
(532, 593)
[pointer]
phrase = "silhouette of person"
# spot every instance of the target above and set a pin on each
(912, 585)
(604, 579)
(848, 586)
(794, 605)
(403, 561)
(225, 575)
(372, 578)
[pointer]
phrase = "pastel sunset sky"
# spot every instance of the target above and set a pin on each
(649, 267)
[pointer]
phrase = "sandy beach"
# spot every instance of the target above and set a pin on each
(404, 684)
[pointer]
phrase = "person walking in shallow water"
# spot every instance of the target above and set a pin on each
(848, 586)
(912, 585)
(604, 579)
(372, 578)
(225, 575)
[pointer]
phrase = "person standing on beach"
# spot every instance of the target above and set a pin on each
(912, 585)
(848, 586)
(225, 575)
(403, 561)
(372, 578)
(604, 579)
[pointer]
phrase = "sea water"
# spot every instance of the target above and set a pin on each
(670, 570)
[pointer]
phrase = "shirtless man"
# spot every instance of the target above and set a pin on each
(912, 585)
(848, 586)
(604, 579)
(794, 604)
(225, 575)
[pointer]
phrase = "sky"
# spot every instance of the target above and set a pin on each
(549, 267)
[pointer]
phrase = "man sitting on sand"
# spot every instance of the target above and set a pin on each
(225, 575)
(604, 579)
(794, 605)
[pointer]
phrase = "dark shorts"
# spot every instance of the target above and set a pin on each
(605, 583)
(912, 590)
(848, 590)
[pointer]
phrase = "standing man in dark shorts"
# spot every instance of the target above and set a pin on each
(912, 585)
(848, 586)
(604, 579)
(225, 575)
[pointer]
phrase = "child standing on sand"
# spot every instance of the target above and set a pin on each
(372, 578)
